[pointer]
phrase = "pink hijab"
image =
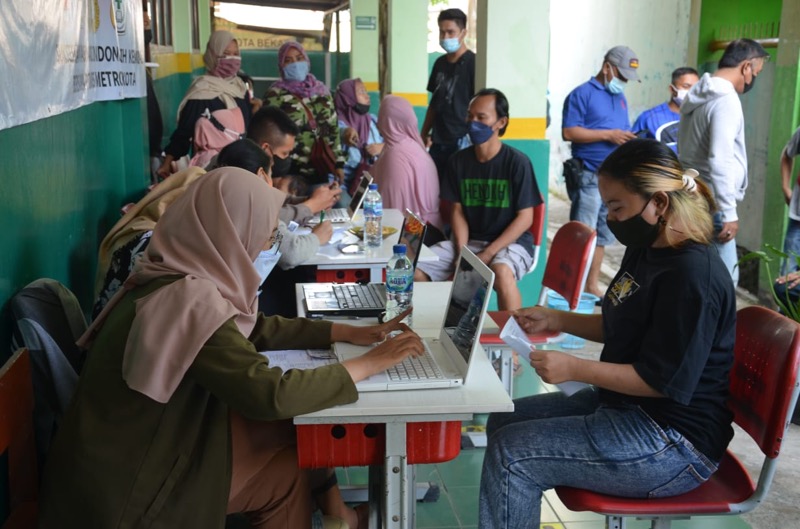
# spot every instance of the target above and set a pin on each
(405, 173)
(307, 88)
(210, 235)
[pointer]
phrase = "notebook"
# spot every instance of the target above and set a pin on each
(356, 299)
(453, 352)
(340, 215)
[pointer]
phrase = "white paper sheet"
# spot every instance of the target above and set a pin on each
(300, 358)
(513, 335)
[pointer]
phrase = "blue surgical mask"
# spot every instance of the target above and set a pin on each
(450, 45)
(479, 132)
(296, 71)
(615, 86)
(265, 262)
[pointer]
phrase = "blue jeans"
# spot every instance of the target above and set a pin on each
(551, 440)
(727, 250)
(791, 246)
(587, 207)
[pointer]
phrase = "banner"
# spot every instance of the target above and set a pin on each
(58, 55)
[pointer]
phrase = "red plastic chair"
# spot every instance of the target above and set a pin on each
(16, 438)
(568, 263)
(567, 268)
(537, 230)
(764, 390)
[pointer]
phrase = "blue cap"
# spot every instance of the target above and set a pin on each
(373, 186)
(399, 248)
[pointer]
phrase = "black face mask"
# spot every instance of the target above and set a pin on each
(281, 166)
(635, 232)
(361, 108)
(148, 36)
(748, 86)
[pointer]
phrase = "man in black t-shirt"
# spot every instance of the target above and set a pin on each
(493, 191)
(451, 84)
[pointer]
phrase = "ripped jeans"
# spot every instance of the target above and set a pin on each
(552, 440)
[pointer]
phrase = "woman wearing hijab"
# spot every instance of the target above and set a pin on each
(220, 88)
(177, 419)
(306, 99)
(126, 242)
(405, 173)
(359, 129)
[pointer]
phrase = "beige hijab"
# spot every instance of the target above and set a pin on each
(142, 217)
(210, 235)
(209, 86)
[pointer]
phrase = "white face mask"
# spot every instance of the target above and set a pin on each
(681, 97)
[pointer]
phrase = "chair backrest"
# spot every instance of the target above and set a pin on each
(537, 230)
(47, 321)
(16, 438)
(763, 380)
(568, 261)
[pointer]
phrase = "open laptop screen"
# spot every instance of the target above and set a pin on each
(361, 191)
(464, 311)
(412, 234)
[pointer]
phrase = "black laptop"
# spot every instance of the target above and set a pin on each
(358, 299)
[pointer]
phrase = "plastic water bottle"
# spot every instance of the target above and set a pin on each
(466, 329)
(399, 283)
(373, 218)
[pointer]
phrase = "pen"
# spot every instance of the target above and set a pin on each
(321, 216)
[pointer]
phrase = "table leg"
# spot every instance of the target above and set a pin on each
(399, 493)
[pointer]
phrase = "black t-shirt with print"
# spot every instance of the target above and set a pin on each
(491, 193)
(452, 86)
(671, 313)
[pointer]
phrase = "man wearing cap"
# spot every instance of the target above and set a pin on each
(595, 120)
(711, 137)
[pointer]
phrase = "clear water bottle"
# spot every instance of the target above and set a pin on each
(373, 218)
(466, 329)
(399, 283)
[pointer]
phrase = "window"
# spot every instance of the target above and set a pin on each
(161, 20)
(195, 25)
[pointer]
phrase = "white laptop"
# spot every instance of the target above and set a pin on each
(452, 353)
(341, 215)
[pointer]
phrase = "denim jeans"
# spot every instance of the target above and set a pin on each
(791, 246)
(552, 440)
(588, 207)
(727, 250)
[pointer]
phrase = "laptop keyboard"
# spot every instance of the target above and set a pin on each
(338, 215)
(415, 368)
(357, 297)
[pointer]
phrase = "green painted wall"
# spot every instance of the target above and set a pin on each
(62, 182)
(169, 92)
(717, 15)
(784, 120)
(539, 152)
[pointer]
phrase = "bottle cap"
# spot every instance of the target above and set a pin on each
(399, 248)
(373, 187)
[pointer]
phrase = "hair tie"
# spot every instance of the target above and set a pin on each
(689, 183)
